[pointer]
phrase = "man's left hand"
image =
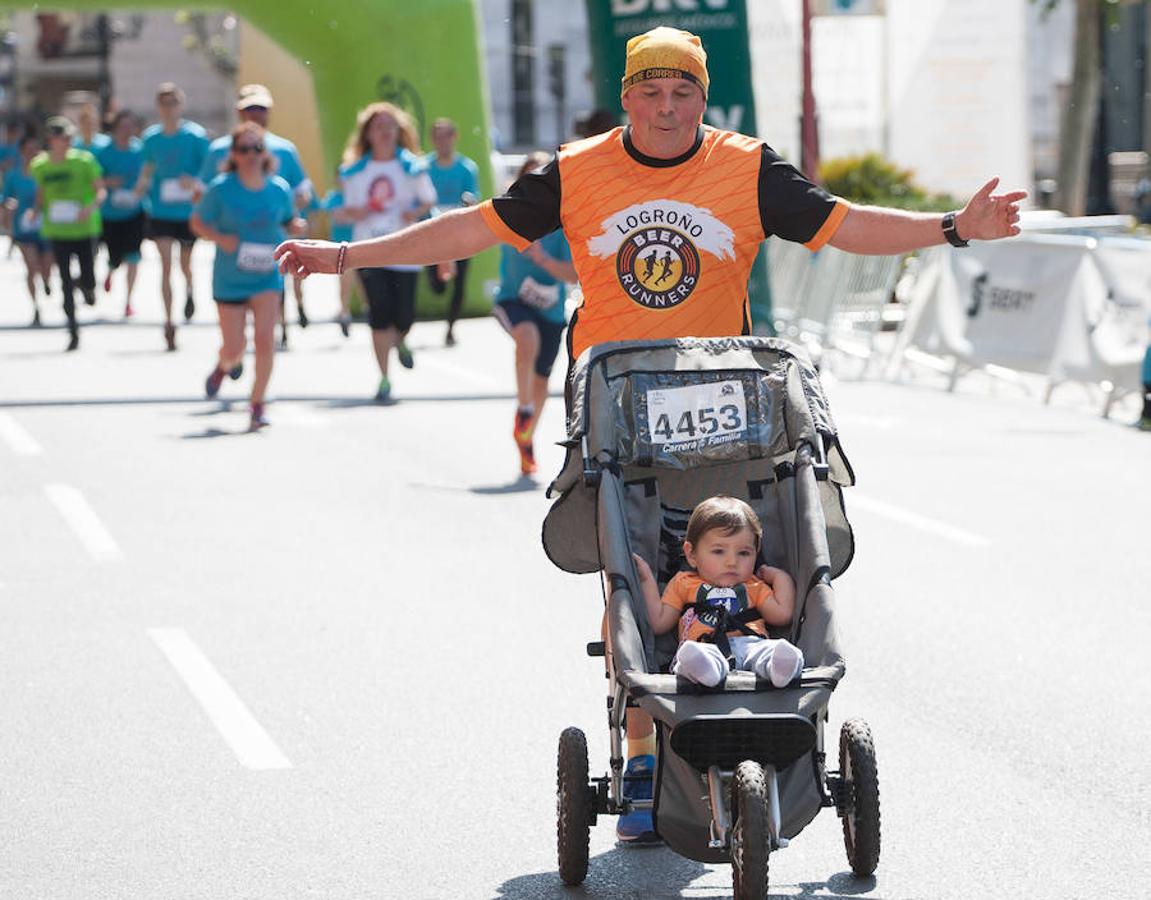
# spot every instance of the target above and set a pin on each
(987, 216)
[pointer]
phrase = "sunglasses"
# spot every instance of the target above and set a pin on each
(248, 148)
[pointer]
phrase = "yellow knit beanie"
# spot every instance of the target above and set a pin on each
(665, 53)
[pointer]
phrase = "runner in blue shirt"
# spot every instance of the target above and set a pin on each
(457, 184)
(174, 151)
(244, 212)
(530, 306)
(341, 230)
(254, 104)
(123, 212)
(19, 194)
(88, 135)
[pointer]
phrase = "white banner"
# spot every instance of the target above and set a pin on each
(1054, 306)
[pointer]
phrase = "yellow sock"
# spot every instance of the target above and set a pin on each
(644, 746)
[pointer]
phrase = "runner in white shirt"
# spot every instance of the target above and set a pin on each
(386, 186)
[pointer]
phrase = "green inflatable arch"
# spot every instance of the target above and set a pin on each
(421, 55)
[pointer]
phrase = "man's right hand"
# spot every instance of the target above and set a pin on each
(304, 258)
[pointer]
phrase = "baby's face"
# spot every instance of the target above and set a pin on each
(723, 560)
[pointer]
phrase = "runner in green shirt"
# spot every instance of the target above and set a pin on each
(69, 191)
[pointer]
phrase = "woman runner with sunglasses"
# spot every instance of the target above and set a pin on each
(245, 212)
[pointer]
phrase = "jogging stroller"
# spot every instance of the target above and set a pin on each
(654, 428)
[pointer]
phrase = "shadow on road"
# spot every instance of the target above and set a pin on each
(523, 484)
(658, 873)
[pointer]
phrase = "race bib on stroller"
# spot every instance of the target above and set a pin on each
(255, 258)
(64, 212)
(538, 296)
(172, 191)
(682, 419)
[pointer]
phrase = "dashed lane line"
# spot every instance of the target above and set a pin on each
(249, 741)
(915, 520)
(84, 522)
(16, 436)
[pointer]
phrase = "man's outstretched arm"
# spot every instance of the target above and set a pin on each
(878, 230)
(454, 235)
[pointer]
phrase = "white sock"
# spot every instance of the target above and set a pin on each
(700, 662)
(776, 661)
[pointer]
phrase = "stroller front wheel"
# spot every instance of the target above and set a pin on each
(861, 791)
(750, 842)
(573, 807)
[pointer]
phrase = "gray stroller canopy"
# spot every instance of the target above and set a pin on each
(700, 413)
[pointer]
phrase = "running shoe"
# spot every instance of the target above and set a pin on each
(258, 419)
(108, 283)
(35, 318)
(213, 382)
(1144, 423)
(384, 391)
(636, 827)
(449, 339)
(405, 354)
(170, 336)
(236, 371)
(73, 341)
(128, 311)
(189, 308)
(89, 297)
(303, 317)
(284, 339)
(47, 288)
(345, 324)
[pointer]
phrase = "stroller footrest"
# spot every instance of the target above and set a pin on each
(773, 739)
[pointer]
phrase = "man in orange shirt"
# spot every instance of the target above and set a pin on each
(664, 218)
(702, 199)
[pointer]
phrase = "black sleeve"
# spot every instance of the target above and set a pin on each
(790, 206)
(531, 206)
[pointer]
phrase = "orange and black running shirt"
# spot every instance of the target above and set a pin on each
(663, 247)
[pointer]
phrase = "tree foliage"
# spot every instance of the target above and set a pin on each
(872, 180)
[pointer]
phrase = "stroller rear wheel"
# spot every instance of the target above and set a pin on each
(861, 792)
(574, 812)
(750, 842)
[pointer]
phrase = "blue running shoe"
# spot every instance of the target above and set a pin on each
(636, 826)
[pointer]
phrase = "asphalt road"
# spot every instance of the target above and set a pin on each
(330, 659)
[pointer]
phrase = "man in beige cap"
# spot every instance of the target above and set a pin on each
(664, 189)
(254, 104)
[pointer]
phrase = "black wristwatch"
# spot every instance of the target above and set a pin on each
(950, 233)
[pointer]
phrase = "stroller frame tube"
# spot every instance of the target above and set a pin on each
(720, 827)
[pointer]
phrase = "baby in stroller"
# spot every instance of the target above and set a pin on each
(721, 606)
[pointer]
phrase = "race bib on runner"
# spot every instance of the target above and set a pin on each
(63, 212)
(124, 199)
(696, 416)
(30, 221)
(172, 191)
(255, 258)
(539, 296)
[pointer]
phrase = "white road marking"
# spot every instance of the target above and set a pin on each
(923, 523)
(297, 415)
(82, 519)
(17, 437)
(248, 740)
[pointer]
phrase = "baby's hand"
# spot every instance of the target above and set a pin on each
(642, 568)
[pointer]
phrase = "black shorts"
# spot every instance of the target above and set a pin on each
(123, 239)
(391, 298)
(177, 230)
(510, 313)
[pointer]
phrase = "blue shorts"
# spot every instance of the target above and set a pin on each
(32, 240)
(511, 313)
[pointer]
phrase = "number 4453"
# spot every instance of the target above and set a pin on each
(705, 421)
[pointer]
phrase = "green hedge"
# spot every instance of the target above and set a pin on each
(875, 181)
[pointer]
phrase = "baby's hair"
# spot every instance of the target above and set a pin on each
(726, 514)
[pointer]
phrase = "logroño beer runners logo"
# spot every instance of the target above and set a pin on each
(656, 245)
